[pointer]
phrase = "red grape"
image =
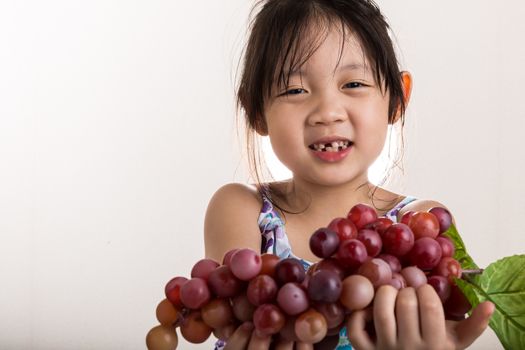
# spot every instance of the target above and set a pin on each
(310, 327)
(269, 262)
(447, 247)
(223, 283)
(245, 264)
(289, 270)
(443, 216)
(162, 337)
(172, 291)
(329, 264)
(268, 319)
(372, 241)
(242, 308)
(292, 299)
(344, 228)
(352, 253)
(380, 225)
(166, 313)
(448, 267)
(217, 313)
(194, 329)
(358, 254)
(357, 292)
(324, 242)
(324, 286)
(194, 293)
(377, 271)
(393, 262)
(203, 268)
(361, 215)
(441, 285)
(398, 240)
(424, 224)
(426, 253)
(261, 290)
(226, 260)
(333, 313)
(405, 219)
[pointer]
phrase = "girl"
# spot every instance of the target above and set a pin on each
(321, 80)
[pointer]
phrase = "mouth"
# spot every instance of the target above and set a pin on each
(333, 146)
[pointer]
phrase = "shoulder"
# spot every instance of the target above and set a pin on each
(233, 200)
(231, 220)
(234, 193)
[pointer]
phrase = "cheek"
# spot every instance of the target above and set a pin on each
(372, 133)
(283, 143)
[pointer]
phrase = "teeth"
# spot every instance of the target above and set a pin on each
(334, 146)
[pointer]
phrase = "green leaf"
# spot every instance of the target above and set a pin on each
(502, 283)
(461, 254)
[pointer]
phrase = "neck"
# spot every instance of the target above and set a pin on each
(332, 201)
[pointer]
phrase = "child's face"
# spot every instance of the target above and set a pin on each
(348, 104)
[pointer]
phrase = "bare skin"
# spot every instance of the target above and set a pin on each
(327, 99)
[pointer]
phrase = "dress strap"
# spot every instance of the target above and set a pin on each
(392, 213)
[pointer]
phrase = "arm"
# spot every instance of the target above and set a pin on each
(231, 221)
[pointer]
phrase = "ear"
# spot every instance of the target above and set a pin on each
(406, 79)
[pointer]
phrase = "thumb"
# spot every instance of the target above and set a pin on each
(471, 328)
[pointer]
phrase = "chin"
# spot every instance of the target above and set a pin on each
(335, 180)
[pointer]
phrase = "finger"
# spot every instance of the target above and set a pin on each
(431, 315)
(240, 338)
(384, 316)
(259, 341)
(471, 328)
(407, 316)
(356, 329)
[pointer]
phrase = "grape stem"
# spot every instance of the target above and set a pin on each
(471, 272)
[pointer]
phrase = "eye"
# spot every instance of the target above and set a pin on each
(354, 84)
(296, 91)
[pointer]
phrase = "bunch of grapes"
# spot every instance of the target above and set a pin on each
(358, 254)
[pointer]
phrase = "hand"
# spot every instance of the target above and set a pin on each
(245, 337)
(415, 319)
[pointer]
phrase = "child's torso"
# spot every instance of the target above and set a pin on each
(281, 234)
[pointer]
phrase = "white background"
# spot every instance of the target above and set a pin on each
(117, 126)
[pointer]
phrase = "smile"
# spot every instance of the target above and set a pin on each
(335, 146)
(335, 154)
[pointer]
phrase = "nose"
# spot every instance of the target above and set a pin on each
(327, 110)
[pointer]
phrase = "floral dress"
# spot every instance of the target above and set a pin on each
(275, 241)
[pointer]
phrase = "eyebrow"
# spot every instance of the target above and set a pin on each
(349, 66)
